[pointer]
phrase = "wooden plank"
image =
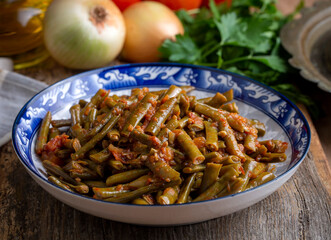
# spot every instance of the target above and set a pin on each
(320, 159)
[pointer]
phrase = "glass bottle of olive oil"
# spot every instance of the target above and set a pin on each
(21, 24)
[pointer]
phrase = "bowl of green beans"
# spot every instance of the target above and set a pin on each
(160, 144)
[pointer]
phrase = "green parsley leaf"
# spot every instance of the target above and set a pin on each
(183, 50)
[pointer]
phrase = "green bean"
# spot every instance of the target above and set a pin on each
(194, 168)
(71, 166)
(195, 124)
(230, 107)
(193, 101)
(78, 132)
(176, 110)
(75, 114)
(171, 138)
(129, 196)
(61, 123)
(186, 189)
(115, 164)
(198, 180)
(172, 124)
(229, 138)
(108, 192)
(90, 144)
(161, 168)
(57, 170)
(90, 118)
(139, 182)
(274, 157)
(187, 144)
(218, 100)
(110, 102)
(137, 114)
(72, 144)
(57, 182)
(53, 132)
(64, 153)
(98, 168)
(218, 186)
(260, 151)
(260, 179)
(82, 103)
(183, 122)
(184, 104)
(259, 168)
(172, 92)
(177, 152)
(93, 183)
(114, 135)
(187, 89)
(234, 120)
(229, 95)
(140, 201)
(234, 187)
(101, 156)
(204, 100)
(213, 157)
(248, 169)
(168, 196)
(80, 188)
(148, 197)
(275, 146)
(235, 166)
(160, 116)
(211, 136)
(125, 177)
(43, 133)
(221, 144)
(151, 141)
(100, 95)
(249, 142)
(84, 174)
(231, 159)
(159, 92)
(259, 127)
(115, 111)
(210, 176)
(136, 92)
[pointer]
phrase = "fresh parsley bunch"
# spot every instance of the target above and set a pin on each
(243, 39)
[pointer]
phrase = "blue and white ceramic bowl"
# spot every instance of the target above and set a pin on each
(282, 118)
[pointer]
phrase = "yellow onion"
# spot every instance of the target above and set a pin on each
(148, 24)
(84, 34)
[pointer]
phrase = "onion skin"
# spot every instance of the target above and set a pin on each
(148, 24)
(84, 34)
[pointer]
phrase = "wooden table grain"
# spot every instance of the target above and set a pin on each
(300, 209)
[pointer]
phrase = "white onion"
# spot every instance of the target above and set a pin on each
(84, 34)
(148, 24)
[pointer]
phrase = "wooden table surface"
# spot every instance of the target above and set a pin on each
(300, 209)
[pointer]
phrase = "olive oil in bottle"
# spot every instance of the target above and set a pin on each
(21, 24)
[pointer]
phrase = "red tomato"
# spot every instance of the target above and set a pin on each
(123, 4)
(181, 4)
(228, 2)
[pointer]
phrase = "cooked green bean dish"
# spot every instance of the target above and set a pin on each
(162, 147)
